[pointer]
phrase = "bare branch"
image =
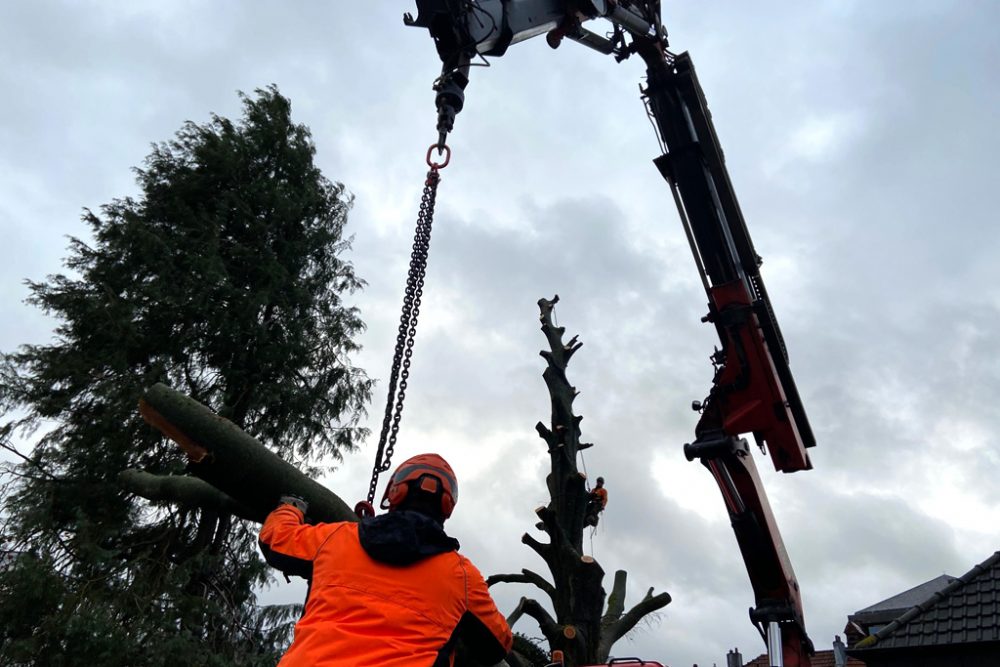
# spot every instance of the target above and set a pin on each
(30, 461)
(532, 608)
(540, 581)
(543, 550)
(526, 577)
(550, 438)
(648, 605)
(506, 579)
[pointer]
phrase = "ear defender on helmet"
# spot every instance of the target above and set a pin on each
(426, 473)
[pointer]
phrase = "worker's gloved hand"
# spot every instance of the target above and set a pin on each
(294, 500)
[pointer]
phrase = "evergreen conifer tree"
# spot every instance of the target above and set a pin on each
(224, 278)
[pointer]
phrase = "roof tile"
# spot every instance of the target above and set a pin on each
(820, 659)
(966, 610)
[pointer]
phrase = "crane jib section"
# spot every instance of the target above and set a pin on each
(754, 389)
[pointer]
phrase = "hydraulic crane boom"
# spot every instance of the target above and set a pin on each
(752, 390)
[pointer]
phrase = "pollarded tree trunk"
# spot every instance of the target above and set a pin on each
(581, 628)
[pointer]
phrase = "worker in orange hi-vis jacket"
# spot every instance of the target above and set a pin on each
(597, 500)
(392, 590)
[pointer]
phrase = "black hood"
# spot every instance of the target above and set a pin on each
(403, 537)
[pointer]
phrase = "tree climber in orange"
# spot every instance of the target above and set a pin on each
(596, 502)
(392, 590)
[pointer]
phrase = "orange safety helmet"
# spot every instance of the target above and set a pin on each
(424, 472)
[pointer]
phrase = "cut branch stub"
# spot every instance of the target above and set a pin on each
(616, 600)
(548, 436)
(543, 550)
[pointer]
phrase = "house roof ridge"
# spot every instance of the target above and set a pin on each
(926, 589)
(918, 609)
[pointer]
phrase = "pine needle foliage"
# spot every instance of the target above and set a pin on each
(225, 278)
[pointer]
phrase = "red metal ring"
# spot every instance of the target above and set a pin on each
(447, 156)
(364, 510)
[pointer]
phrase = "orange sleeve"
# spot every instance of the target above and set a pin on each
(484, 629)
(289, 544)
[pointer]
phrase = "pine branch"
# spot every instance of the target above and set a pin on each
(182, 490)
(207, 523)
(221, 533)
(30, 461)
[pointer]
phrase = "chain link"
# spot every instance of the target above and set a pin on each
(400, 373)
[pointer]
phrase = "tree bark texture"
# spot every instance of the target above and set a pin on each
(579, 629)
(232, 471)
(182, 490)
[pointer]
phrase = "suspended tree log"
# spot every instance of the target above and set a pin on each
(232, 471)
(577, 596)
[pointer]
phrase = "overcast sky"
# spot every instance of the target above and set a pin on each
(861, 139)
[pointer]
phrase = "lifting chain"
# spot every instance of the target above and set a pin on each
(400, 372)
